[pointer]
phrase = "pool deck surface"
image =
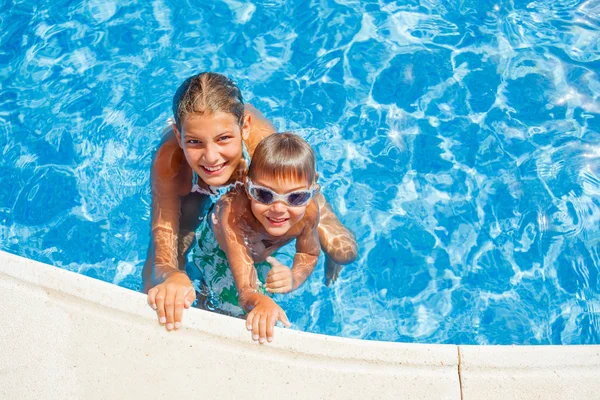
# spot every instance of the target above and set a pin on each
(71, 337)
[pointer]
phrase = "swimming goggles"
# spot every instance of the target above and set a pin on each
(267, 196)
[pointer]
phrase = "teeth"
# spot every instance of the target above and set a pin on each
(277, 220)
(213, 169)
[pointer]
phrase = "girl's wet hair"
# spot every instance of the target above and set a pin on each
(207, 93)
(283, 157)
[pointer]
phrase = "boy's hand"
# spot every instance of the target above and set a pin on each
(263, 317)
(280, 278)
(170, 297)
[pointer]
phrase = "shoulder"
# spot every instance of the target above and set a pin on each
(311, 216)
(230, 214)
(169, 158)
(260, 127)
(232, 204)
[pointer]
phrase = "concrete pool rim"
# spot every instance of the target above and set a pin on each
(75, 308)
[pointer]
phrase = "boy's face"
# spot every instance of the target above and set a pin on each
(212, 145)
(278, 218)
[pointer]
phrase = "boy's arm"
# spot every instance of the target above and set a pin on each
(283, 280)
(307, 247)
(263, 312)
(226, 224)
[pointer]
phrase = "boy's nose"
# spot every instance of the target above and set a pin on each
(278, 206)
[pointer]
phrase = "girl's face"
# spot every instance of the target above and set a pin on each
(278, 218)
(212, 145)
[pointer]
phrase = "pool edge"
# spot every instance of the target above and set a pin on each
(77, 336)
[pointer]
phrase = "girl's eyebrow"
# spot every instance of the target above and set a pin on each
(191, 135)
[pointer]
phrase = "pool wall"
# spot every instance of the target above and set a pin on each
(68, 336)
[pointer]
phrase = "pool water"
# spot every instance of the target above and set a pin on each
(460, 141)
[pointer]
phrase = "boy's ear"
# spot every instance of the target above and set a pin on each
(177, 135)
(246, 125)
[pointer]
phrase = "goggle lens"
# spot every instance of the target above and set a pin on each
(298, 198)
(262, 195)
(267, 196)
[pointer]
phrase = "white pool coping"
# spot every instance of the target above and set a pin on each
(68, 336)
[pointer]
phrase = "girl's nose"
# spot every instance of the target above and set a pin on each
(211, 155)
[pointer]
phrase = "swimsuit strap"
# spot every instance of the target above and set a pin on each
(245, 154)
(194, 180)
(196, 187)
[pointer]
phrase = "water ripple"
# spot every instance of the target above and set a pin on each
(458, 141)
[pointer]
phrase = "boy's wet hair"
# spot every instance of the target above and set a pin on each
(283, 156)
(207, 93)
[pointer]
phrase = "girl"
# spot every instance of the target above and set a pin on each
(206, 151)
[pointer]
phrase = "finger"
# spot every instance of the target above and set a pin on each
(271, 327)
(178, 309)
(277, 270)
(160, 306)
(270, 277)
(273, 261)
(262, 327)
(170, 309)
(277, 276)
(336, 273)
(272, 289)
(283, 318)
(277, 284)
(255, 331)
(277, 290)
(190, 297)
(270, 285)
(249, 319)
(152, 297)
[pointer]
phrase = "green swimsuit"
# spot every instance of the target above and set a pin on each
(217, 287)
(217, 284)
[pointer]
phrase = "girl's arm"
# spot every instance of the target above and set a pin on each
(260, 127)
(172, 290)
(166, 204)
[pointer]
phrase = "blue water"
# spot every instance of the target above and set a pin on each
(460, 141)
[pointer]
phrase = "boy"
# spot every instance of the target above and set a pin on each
(273, 207)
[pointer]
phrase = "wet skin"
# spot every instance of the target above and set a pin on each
(211, 145)
(249, 232)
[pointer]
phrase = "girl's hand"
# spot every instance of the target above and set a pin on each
(170, 297)
(263, 317)
(280, 278)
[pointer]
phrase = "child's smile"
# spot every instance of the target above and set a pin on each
(215, 169)
(212, 145)
(278, 218)
(277, 221)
